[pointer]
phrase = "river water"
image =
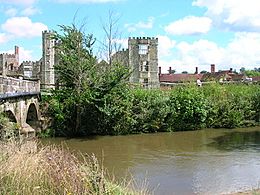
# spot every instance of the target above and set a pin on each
(211, 161)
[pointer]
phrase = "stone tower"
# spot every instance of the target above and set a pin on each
(143, 61)
(48, 61)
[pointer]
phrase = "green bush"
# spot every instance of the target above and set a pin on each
(188, 107)
(125, 110)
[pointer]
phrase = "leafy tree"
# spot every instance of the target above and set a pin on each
(242, 69)
(252, 73)
(184, 72)
(171, 71)
(203, 72)
(75, 70)
(78, 106)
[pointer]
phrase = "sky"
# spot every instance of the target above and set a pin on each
(191, 33)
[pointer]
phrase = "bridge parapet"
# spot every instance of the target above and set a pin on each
(12, 85)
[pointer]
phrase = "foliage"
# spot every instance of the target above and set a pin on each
(8, 129)
(188, 108)
(252, 73)
(93, 99)
(28, 168)
(79, 106)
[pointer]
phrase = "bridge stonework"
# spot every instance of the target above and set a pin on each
(19, 99)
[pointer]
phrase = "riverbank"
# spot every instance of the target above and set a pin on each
(28, 168)
(134, 111)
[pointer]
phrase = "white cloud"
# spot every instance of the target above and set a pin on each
(11, 12)
(237, 15)
(25, 55)
(3, 38)
(165, 45)
(23, 27)
(241, 51)
(189, 25)
(18, 2)
(87, 1)
(140, 25)
(29, 11)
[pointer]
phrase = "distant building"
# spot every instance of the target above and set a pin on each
(9, 63)
(142, 59)
(175, 78)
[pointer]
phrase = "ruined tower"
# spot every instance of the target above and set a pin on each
(143, 61)
(48, 61)
(9, 63)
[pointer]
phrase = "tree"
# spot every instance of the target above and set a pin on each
(171, 71)
(75, 68)
(184, 72)
(112, 35)
(242, 70)
(203, 72)
(80, 104)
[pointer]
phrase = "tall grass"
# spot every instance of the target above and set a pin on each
(26, 168)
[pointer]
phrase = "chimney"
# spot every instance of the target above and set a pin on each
(230, 70)
(197, 70)
(212, 68)
(16, 50)
(170, 70)
(160, 71)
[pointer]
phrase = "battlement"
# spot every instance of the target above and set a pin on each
(7, 55)
(143, 38)
(47, 31)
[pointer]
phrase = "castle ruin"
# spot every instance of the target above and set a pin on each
(142, 59)
(9, 63)
(48, 60)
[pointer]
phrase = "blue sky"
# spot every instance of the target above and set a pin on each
(191, 32)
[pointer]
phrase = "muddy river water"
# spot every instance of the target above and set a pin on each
(210, 161)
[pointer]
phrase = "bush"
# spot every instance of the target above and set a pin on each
(189, 109)
(126, 111)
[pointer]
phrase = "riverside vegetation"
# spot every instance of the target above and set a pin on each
(128, 111)
(97, 99)
(27, 167)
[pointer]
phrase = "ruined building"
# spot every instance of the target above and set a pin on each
(48, 60)
(30, 69)
(142, 58)
(9, 63)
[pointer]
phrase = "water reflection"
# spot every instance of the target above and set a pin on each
(238, 141)
(197, 162)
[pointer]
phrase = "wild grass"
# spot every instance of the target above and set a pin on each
(26, 168)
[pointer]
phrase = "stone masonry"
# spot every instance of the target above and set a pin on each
(142, 58)
(9, 63)
(48, 61)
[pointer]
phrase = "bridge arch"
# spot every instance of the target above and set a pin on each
(10, 115)
(32, 117)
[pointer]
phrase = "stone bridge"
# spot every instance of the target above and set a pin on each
(19, 100)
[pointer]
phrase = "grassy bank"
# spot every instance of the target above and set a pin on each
(26, 168)
(129, 111)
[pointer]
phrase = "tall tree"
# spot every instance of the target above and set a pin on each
(82, 98)
(112, 36)
(76, 66)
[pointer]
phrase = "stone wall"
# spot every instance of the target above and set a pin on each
(10, 85)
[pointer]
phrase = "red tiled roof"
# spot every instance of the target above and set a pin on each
(179, 78)
(256, 78)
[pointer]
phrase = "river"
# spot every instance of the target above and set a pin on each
(210, 161)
